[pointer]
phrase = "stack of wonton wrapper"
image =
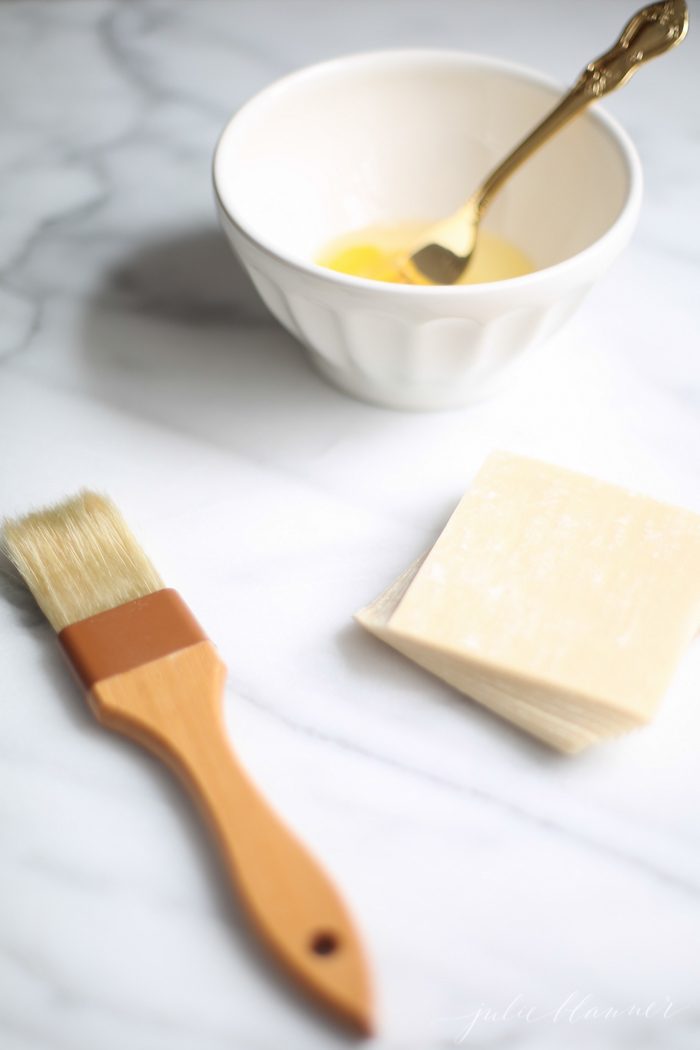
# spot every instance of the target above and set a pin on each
(560, 602)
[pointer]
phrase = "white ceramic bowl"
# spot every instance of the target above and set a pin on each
(397, 135)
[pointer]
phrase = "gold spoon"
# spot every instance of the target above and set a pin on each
(446, 248)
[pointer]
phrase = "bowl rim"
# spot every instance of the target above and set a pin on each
(623, 223)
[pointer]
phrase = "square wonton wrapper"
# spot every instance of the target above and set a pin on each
(558, 601)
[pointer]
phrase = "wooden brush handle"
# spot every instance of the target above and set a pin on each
(172, 705)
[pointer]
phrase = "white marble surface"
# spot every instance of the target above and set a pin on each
(485, 870)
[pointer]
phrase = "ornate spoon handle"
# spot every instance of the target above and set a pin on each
(649, 33)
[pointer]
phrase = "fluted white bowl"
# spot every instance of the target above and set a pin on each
(393, 136)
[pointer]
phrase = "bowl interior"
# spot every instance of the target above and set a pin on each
(402, 136)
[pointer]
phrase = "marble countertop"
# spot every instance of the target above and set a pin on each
(510, 897)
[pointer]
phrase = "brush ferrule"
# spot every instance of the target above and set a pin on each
(129, 636)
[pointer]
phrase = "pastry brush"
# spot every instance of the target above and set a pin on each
(151, 673)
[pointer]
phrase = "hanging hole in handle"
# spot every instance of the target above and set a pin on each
(324, 942)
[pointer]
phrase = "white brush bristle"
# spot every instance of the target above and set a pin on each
(79, 558)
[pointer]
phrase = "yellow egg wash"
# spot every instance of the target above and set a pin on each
(372, 253)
